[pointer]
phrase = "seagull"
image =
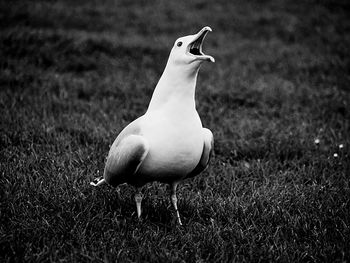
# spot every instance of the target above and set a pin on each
(168, 143)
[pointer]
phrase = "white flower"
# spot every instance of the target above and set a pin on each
(317, 141)
(335, 155)
(341, 146)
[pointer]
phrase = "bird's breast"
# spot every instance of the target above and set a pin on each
(176, 145)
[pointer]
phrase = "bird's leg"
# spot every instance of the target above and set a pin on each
(174, 201)
(138, 200)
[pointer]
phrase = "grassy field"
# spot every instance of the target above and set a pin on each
(74, 73)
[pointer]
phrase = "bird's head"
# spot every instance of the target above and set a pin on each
(180, 74)
(187, 50)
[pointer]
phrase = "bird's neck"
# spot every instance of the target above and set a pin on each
(177, 86)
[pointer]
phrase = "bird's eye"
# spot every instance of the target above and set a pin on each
(179, 44)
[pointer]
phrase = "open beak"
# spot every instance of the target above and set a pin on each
(195, 47)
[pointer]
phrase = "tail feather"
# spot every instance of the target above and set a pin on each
(98, 181)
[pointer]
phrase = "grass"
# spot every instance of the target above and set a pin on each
(74, 74)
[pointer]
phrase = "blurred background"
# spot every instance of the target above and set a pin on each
(74, 73)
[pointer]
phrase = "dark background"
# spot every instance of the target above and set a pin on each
(74, 73)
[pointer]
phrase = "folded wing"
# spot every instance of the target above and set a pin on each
(124, 158)
(208, 147)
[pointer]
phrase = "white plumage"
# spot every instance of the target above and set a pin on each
(168, 143)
